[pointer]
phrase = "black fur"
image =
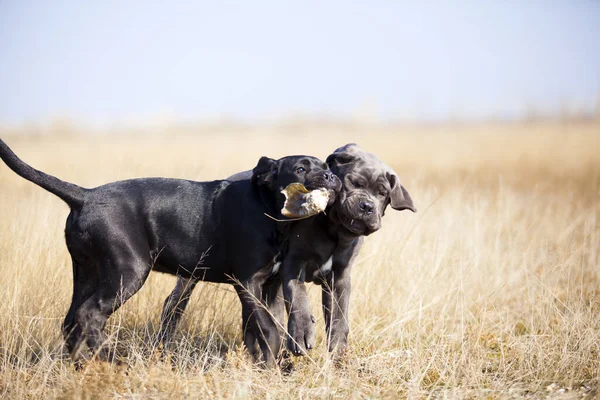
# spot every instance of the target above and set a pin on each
(213, 231)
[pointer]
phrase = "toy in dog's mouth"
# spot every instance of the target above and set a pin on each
(302, 203)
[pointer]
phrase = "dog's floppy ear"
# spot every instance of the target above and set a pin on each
(399, 198)
(264, 172)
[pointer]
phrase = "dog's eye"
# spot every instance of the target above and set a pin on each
(356, 184)
(300, 170)
(382, 193)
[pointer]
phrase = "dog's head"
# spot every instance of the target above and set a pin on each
(313, 173)
(368, 187)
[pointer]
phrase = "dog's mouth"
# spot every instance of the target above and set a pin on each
(303, 203)
(327, 181)
(358, 226)
(319, 192)
(358, 223)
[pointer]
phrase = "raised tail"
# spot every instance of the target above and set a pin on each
(70, 193)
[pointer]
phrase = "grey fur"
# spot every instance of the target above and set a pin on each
(368, 187)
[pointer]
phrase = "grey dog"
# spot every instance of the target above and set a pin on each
(323, 249)
(213, 231)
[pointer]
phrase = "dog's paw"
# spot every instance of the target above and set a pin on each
(301, 334)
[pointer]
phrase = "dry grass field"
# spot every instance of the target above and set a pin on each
(492, 290)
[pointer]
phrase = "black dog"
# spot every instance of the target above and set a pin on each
(213, 231)
(322, 249)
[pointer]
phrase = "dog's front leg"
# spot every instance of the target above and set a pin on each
(335, 294)
(336, 300)
(301, 329)
(258, 323)
(273, 299)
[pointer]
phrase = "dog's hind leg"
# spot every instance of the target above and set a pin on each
(84, 285)
(174, 308)
(122, 276)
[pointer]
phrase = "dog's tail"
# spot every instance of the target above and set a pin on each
(72, 194)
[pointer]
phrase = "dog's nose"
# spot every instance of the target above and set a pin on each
(366, 207)
(328, 175)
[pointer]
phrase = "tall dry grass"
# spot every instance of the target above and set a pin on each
(491, 290)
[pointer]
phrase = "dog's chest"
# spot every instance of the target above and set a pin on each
(318, 272)
(275, 264)
(275, 268)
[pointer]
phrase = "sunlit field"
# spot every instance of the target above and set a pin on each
(491, 290)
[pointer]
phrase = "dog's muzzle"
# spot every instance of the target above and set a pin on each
(324, 179)
(359, 215)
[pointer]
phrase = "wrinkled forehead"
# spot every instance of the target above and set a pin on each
(365, 165)
(369, 174)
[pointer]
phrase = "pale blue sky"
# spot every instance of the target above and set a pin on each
(103, 61)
